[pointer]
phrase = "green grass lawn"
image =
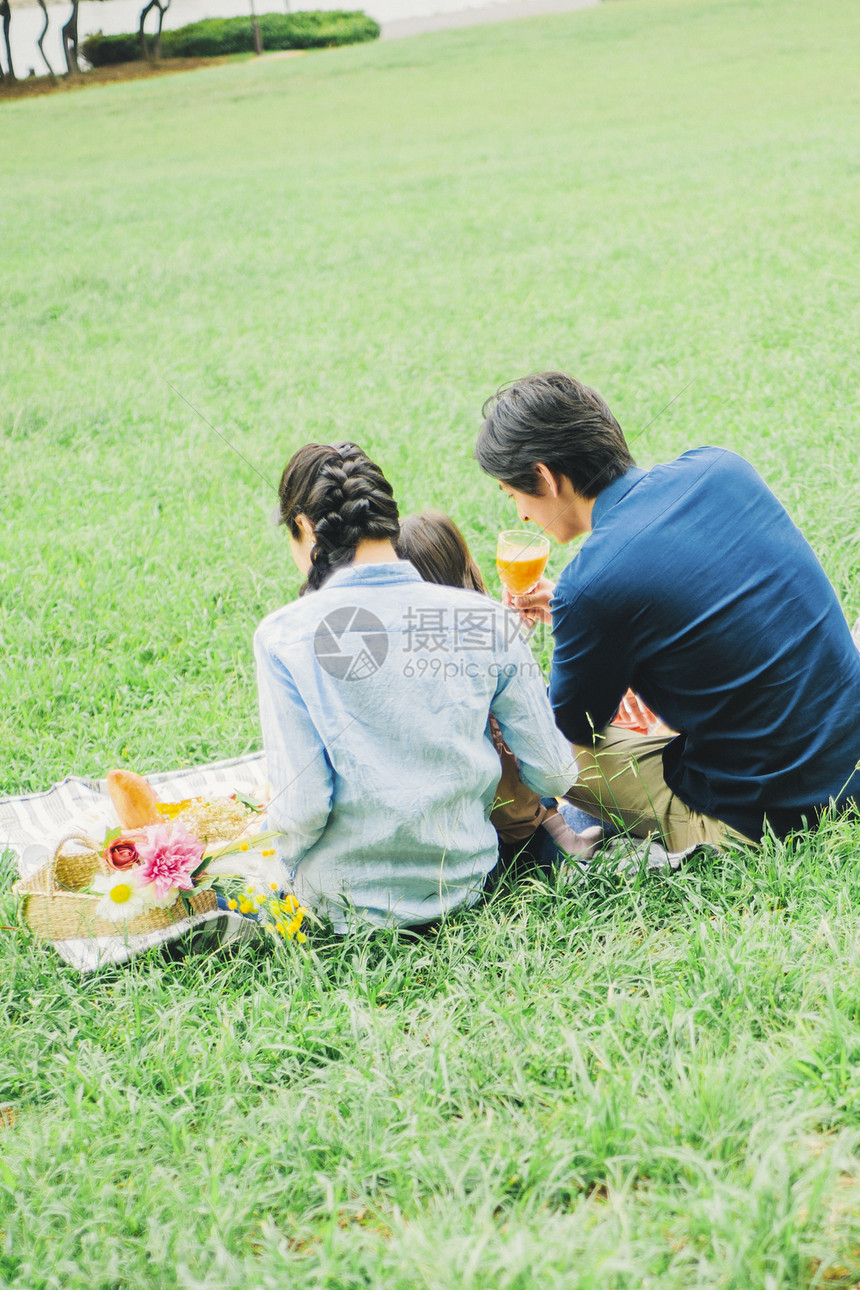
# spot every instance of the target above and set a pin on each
(631, 1084)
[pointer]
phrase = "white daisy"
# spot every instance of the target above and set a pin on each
(123, 899)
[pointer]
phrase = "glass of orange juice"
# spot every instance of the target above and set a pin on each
(521, 559)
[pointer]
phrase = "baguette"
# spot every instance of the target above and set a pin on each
(133, 798)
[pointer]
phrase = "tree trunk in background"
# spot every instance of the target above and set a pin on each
(144, 48)
(153, 55)
(6, 15)
(156, 48)
(255, 28)
(70, 41)
(44, 9)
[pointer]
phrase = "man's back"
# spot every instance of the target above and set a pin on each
(696, 589)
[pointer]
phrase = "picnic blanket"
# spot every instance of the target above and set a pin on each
(31, 825)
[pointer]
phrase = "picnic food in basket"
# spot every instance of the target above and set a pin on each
(135, 802)
(154, 869)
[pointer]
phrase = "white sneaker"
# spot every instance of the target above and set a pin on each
(633, 854)
(630, 855)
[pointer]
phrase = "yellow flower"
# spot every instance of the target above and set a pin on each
(273, 886)
(170, 810)
(232, 904)
(268, 853)
(280, 929)
(245, 907)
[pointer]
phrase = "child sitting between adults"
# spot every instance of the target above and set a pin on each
(434, 545)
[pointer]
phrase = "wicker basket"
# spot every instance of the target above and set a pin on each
(56, 908)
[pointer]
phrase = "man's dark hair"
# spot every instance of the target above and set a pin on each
(556, 420)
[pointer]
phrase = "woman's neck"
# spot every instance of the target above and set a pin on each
(375, 551)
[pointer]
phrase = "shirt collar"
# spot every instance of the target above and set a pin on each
(392, 571)
(607, 497)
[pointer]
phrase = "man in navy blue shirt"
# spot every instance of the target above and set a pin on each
(695, 589)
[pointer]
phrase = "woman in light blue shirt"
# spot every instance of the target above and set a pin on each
(375, 696)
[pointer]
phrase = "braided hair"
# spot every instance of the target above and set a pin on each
(345, 496)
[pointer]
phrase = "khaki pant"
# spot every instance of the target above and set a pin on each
(621, 779)
(519, 811)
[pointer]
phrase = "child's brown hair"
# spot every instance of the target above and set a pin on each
(432, 542)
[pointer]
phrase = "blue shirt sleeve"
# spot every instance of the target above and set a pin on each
(299, 771)
(545, 758)
(591, 669)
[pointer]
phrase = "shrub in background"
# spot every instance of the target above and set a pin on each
(213, 37)
(315, 30)
(99, 50)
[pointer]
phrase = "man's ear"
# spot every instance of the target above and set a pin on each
(550, 480)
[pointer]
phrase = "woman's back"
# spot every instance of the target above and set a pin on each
(375, 694)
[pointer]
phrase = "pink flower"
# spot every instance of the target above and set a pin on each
(169, 855)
